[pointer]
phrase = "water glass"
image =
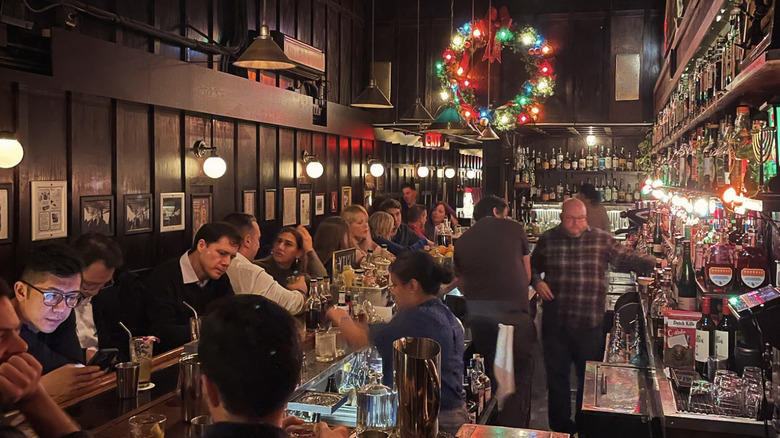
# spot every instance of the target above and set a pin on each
(727, 390)
(147, 426)
(752, 391)
(699, 398)
(341, 342)
(325, 346)
(713, 365)
(141, 352)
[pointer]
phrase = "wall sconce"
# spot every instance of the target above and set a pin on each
(214, 166)
(312, 165)
(375, 167)
(423, 171)
(471, 173)
(449, 172)
(590, 140)
(11, 151)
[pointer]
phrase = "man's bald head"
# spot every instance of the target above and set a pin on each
(574, 217)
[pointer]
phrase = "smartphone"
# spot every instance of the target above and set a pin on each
(105, 358)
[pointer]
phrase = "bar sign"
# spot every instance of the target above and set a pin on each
(433, 140)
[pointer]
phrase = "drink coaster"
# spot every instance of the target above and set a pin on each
(146, 386)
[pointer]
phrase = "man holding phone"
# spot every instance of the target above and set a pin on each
(43, 299)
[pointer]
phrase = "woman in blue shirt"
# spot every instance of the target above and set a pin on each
(415, 279)
(381, 226)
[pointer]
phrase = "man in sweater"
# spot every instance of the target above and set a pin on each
(198, 277)
(402, 234)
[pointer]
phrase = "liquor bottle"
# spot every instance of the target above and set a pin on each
(589, 161)
(559, 190)
(313, 307)
(637, 194)
(545, 162)
(726, 335)
(752, 265)
(622, 160)
(553, 161)
(719, 266)
(657, 308)
(477, 389)
(567, 162)
(621, 193)
(705, 338)
(658, 248)
(483, 378)
(686, 286)
(545, 196)
(602, 163)
(575, 163)
(560, 158)
(629, 162)
(566, 192)
(538, 160)
(616, 161)
(629, 194)
(607, 192)
(583, 161)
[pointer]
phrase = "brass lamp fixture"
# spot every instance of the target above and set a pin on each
(372, 96)
(214, 167)
(313, 166)
(263, 53)
(417, 112)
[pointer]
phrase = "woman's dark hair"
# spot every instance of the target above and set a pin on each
(485, 206)
(329, 237)
(420, 266)
(448, 211)
(301, 265)
(590, 192)
(250, 349)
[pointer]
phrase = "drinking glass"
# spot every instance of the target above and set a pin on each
(141, 352)
(341, 341)
(699, 398)
(713, 365)
(752, 390)
(727, 388)
(325, 346)
(147, 426)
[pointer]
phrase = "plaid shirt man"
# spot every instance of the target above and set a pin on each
(575, 269)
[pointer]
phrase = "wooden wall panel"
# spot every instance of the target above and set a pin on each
(287, 17)
(268, 165)
(168, 178)
(320, 26)
(345, 158)
(332, 55)
(303, 31)
(627, 37)
(332, 147)
(141, 10)
(246, 164)
(345, 55)
(590, 100)
(320, 185)
(286, 158)
(90, 153)
(224, 189)
(302, 143)
(198, 16)
(356, 170)
(167, 17)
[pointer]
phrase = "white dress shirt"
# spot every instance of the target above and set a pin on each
(248, 278)
(188, 272)
(85, 325)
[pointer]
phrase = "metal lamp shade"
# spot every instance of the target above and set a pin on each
(264, 54)
(417, 113)
(449, 121)
(372, 97)
(489, 134)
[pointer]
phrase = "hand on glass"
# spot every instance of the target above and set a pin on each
(336, 315)
(544, 291)
(298, 284)
(307, 241)
(291, 420)
(19, 377)
(323, 431)
(69, 379)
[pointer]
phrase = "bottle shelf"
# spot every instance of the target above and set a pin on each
(633, 172)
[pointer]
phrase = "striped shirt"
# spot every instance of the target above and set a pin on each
(575, 269)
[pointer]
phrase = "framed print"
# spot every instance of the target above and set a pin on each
(249, 201)
(289, 203)
(171, 211)
(305, 208)
(368, 198)
(138, 213)
(201, 211)
(49, 209)
(334, 202)
(6, 212)
(270, 204)
(319, 204)
(346, 196)
(97, 214)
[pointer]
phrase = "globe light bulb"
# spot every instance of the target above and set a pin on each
(701, 207)
(214, 167)
(471, 173)
(314, 169)
(423, 171)
(658, 194)
(730, 195)
(444, 95)
(11, 152)
(376, 169)
(449, 173)
(657, 183)
(590, 140)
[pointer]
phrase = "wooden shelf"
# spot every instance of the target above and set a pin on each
(754, 85)
(590, 171)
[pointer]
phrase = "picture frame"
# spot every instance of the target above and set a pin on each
(139, 211)
(334, 202)
(319, 204)
(269, 202)
(346, 197)
(289, 203)
(6, 212)
(49, 205)
(249, 198)
(172, 213)
(97, 214)
(368, 198)
(304, 208)
(201, 205)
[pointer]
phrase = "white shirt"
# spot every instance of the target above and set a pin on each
(188, 272)
(85, 325)
(248, 278)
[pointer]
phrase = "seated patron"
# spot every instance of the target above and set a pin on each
(293, 256)
(20, 382)
(332, 235)
(436, 216)
(402, 234)
(113, 294)
(43, 299)
(359, 232)
(198, 277)
(251, 363)
(416, 218)
(381, 225)
(249, 278)
(415, 279)
(408, 198)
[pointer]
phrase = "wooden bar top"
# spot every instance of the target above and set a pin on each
(479, 431)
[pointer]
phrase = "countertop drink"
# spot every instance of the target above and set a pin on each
(141, 351)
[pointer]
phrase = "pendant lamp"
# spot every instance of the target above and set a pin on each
(372, 96)
(263, 53)
(488, 133)
(417, 112)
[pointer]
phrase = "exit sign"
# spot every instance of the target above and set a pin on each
(433, 140)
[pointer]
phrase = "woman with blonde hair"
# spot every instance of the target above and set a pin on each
(382, 225)
(359, 232)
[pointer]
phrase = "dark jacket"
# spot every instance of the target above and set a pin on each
(54, 349)
(121, 302)
(243, 430)
(9, 431)
(169, 318)
(405, 236)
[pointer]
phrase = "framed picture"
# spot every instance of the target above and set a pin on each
(368, 198)
(201, 211)
(171, 211)
(249, 201)
(334, 202)
(97, 214)
(289, 203)
(346, 196)
(319, 204)
(304, 204)
(6, 212)
(49, 209)
(138, 213)
(270, 204)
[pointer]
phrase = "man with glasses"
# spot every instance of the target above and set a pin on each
(574, 259)
(48, 290)
(113, 294)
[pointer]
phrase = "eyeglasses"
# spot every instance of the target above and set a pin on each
(575, 218)
(52, 299)
(93, 286)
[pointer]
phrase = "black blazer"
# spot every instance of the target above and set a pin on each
(124, 302)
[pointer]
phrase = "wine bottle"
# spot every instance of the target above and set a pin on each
(567, 162)
(705, 338)
(553, 162)
(658, 247)
(686, 286)
(583, 161)
(726, 335)
(560, 158)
